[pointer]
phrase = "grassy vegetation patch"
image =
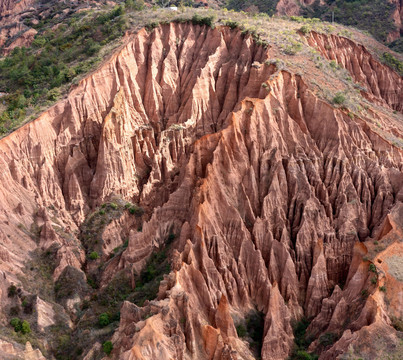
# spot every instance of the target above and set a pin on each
(339, 99)
(95, 224)
(394, 63)
(203, 20)
(71, 282)
(61, 51)
(38, 274)
(302, 342)
(328, 339)
(252, 329)
(107, 347)
(99, 314)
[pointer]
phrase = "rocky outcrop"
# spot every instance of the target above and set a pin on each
(9, 351)
(13, 33)
(380, 81)
(267, 188)
(10, 7)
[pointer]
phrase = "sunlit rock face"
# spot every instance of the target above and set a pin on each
(272, 194)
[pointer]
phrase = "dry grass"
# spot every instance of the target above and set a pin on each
(395, 265)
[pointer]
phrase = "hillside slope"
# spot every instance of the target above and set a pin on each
(383, 19)
(209, 193)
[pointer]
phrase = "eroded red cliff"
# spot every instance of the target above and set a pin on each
(269, 191)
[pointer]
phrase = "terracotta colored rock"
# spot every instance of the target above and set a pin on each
(264, 200)
(378, 79)
(223, 319)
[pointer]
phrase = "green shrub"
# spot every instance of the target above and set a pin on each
(305, 29)
(241, 330)
(303, 355)
(20, 326)
(301, 342)
(25, 328)
(39, 42)
(374, 280)
(136, 210)
(382, 288)
(200, 20)
(93, 49)
(16, 323)
(339, 99)
(53, 94)
(231, 24)
(93, 256)
(299, 331)
(333, 64)
(255, 327)
(397, 45)
(12, 291)
(103, 320)
(293, 47)
(372, 268)
(107, 347)
(394, 63)
(113, 206)
(327, 339)
(297, 18)
(151, 26)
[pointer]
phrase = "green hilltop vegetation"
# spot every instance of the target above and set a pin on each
(65, 50)
(35, 77)
(370, 15)
(373, 16)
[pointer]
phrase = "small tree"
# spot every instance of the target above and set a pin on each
(241, 330)
(16, 324)
(339, 99)
(107, 347)
(103, 320)
(25, 328)
(93, 256)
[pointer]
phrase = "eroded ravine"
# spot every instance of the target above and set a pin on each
(377, 78)
(267, 188)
